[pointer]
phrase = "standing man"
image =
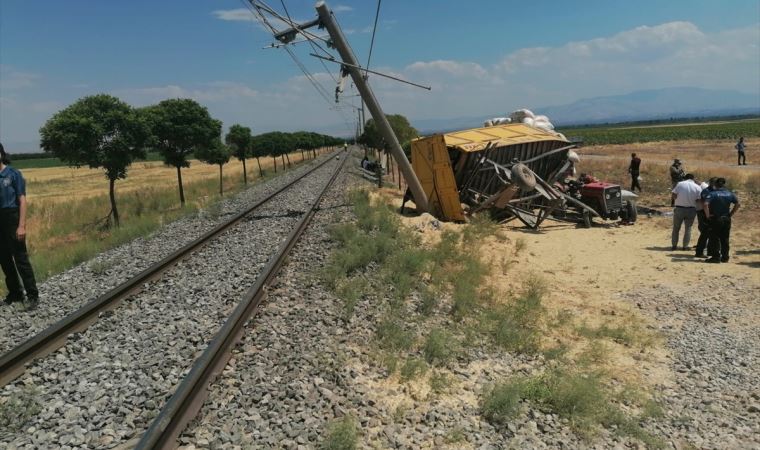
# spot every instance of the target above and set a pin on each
(719, 212)
(684, 196)
(741, 159)
(633, 169)
(13, 256)
(702, 222)
(676, 175)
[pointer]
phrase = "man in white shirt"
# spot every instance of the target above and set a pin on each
(686, 194)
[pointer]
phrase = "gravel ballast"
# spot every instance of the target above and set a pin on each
(103, 387)
(67, 291)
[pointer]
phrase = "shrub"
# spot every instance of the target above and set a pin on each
(392, 336)
(501, 401)
(341, 435)
(412, 368)
(440, 382)
(440, 346)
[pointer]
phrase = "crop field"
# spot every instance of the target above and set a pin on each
(36, 161)
(703, 159)
(628, 134)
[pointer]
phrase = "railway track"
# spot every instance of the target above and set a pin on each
(174, 275)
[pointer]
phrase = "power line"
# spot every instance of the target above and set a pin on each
(258, 8)
(372, 42)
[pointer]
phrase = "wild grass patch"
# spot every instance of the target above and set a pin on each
(440, 347)
(21, 406)
(580, 396)
(342, 434)
(413, 368)
(516, 326)
(391, 335)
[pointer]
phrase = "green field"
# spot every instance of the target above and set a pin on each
(631, 133)
(41, 160)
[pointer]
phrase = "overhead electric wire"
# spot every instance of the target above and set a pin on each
(372, 42)
(258, 8)
(311, 42)
(320, 89)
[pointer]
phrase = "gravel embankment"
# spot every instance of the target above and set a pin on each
(103, 388)
(300, 367)
(713, 335)
(65, 292)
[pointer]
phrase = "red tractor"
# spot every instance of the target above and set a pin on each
(599, 198)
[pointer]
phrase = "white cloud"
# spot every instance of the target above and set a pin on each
(246, 15)
(671, 54)
(239, 14)
(647, 57)
(342, 8)
(214, 91)
(12, 79)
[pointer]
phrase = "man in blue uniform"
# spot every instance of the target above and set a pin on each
(13, 256)
(719, 211)
(704, 225)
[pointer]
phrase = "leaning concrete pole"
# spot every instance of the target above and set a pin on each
(340, 44)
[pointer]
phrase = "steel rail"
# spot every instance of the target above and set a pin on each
(12, 363)
(188, 399)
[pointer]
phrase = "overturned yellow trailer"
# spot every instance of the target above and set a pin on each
(514, 164)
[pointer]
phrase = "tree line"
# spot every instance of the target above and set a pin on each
(101, 131)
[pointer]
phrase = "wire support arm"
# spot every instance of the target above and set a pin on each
(370, 71)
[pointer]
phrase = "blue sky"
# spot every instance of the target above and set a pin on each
(480, 57)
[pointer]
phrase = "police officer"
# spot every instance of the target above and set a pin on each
(13, 256)
(703, 224)
(719, 211)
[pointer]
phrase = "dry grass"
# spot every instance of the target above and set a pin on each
(703, 159)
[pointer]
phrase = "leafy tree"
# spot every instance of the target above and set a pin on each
(239, 140)
(404, 131)
(180, 127)
(257, 151)
(218, 154)
(97, 131)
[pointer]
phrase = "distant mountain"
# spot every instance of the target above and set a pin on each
(682, 102)
(654, 104)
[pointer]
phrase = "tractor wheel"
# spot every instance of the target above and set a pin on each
(630, 209)
(524, 177)
(586, 219)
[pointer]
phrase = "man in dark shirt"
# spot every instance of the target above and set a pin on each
(633, 169)
(719, 211)
(14, 258)
(703, 224)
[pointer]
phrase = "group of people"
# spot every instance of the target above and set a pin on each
(14, 258)
(713, 206)
(677, 172)
(369, 165)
